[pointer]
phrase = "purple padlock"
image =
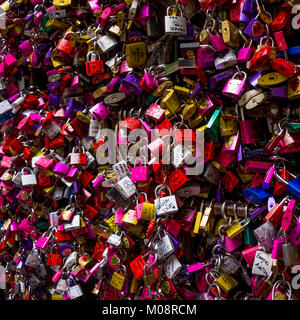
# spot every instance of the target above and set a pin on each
(218, 43)
(195, 93)
(72, 107)
(278, 92)
(54, 100)
(255, 30)
(205, 56)
(244, 54)
(72, 174)
(75, 83)
(235, 87)
(61, 169)
(132, 83)
(112, 84)
(100, 112)
(190, 36)
(151, 80)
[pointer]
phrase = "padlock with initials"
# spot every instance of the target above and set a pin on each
(78, 158)
(166, 204)
(65, 45)
(175, 25)
(93, 64)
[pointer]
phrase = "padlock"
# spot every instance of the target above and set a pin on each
(93, 65)
(28, 179)
(43, 240)
(289, 253)
(54, 259)
(26, 48)
(164, 247)
(135, 54)
(260, 58)
(292, 186)
(118, 279)
(64, 45)
(265, 235)
(250, 130)
(244, 53)
(284, 67)
(165, 205)
(175, 25)
(234, 87)
(230, 34)
(78, 159)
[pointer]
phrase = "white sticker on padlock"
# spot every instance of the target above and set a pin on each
(52, 130)
(75, 292)
(5, 106)
(166, 205)
(62, 285)
(75, 224)
(121, 170)
(172, 267)
(164, 247)
(262, 264)
(126, 187)
(114, 240)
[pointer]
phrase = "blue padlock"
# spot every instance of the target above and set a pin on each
(257, 195)
(292, 186)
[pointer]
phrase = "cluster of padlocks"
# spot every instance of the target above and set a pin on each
(204, 205)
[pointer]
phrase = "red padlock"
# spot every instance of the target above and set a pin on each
(284, 67)
(65, 45)
(260, 58)
(93, 65)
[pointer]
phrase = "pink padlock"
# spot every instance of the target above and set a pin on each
(288, 215)
(244, 54)
(218, 43)
(232, 244)
(97, 184)
(22, 124)
(155, 112)
(56, 276)
(194, 267)
(143, 14)
(43, 241)
(173, 227)
(249, 255)
(205, 105)
(2, 67)
(44, 163)
(119, 214)
(9, 60)
(100, 112)
(61, 169)
(139, 174)
(26, 48)
(26, 226)
(235, 87)
(75, 83)
(124, 67)
(72, 174)
(23, 196)
(112, 84)
(277, 248)
(151, 80)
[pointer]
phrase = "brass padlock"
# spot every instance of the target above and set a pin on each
(230, 34)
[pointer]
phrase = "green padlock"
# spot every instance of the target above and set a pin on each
(213, 126)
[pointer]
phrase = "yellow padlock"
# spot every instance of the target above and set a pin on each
(226, 282)
(130, 217)
(62, 3)
(230, 34)
(136, 54)
(198, 218)
(148, 211)
(293, 91)
(228, 127)
(118, 279)
(171, 101)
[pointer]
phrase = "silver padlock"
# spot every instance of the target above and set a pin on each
(58, 193)
(164, 247)
(75, 224)
(75, 291)
(289, 252)
(230, 264)
(121, 170)
(126, 187)
(52, 130)
(28, 179)
(211, 174)
(94, 128)
(172, 267)
(225, 60)
(175, 25)
(265, 235)
(165, 205)
(106, 42)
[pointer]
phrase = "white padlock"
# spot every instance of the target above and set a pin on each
(175, 25)
(28, 179)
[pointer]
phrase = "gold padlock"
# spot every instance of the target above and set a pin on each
(118, 279)
(55, 24)
(226, 282)
(62, 3)
(198, 218)
(136, 54)
(293, 91)
(189, 110)
(230, 34)
(171, 101)
(158, 92)
(228, 127)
